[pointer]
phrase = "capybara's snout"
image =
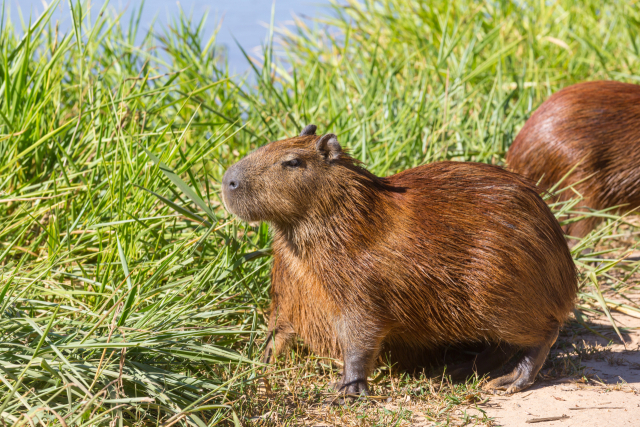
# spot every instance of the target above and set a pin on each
(232, 183)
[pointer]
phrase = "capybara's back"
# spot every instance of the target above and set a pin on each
(594, 129)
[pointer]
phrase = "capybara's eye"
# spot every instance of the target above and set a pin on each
(293, 163)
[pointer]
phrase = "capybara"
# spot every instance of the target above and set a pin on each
(443, 254)
(594, 129)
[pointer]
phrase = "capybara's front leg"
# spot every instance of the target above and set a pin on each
(279, 337)
(358, 362)
(278, 340)
(360, 346)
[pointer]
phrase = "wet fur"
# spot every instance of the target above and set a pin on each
(596, 126)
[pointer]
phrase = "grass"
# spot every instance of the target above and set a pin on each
(128, 296)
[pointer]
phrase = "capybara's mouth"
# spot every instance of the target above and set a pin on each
(228, 205)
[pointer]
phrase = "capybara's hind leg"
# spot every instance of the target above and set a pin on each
(489, 359)
(524, 374)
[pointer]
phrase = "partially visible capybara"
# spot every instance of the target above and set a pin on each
(593, 127)
(446, 253)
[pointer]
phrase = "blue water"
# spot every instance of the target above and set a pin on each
(246, 20)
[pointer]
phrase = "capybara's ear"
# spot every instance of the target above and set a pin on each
(308, 130)
(328, 146)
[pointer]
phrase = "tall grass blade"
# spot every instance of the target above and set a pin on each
(186, 190)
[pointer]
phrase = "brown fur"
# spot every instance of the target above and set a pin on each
(440, 254)
(594, 126)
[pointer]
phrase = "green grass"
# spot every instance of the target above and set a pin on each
(127, 293)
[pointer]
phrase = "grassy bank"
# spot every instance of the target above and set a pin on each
(128, 295)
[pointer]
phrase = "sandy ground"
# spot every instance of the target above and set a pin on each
(598, 385)
(610, 395)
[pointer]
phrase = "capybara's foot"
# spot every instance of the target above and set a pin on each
(278, 338)
(352, 388)
(354, 376)
(524, 374)
(519, 379)
(268, 357)
(347, 392)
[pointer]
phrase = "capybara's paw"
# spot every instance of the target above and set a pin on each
(352, 387)
(347, 392)
(268, 356)
(507, 384)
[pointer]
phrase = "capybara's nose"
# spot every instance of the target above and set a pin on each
(231, 179)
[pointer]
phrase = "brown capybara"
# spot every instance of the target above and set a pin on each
(446, 253)
(594, 129)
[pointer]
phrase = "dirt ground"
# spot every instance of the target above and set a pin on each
(588, 381)
(597, 384)
(609, 397)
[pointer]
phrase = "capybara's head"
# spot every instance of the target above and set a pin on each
(279, 182)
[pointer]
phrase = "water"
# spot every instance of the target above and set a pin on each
(246, 20)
